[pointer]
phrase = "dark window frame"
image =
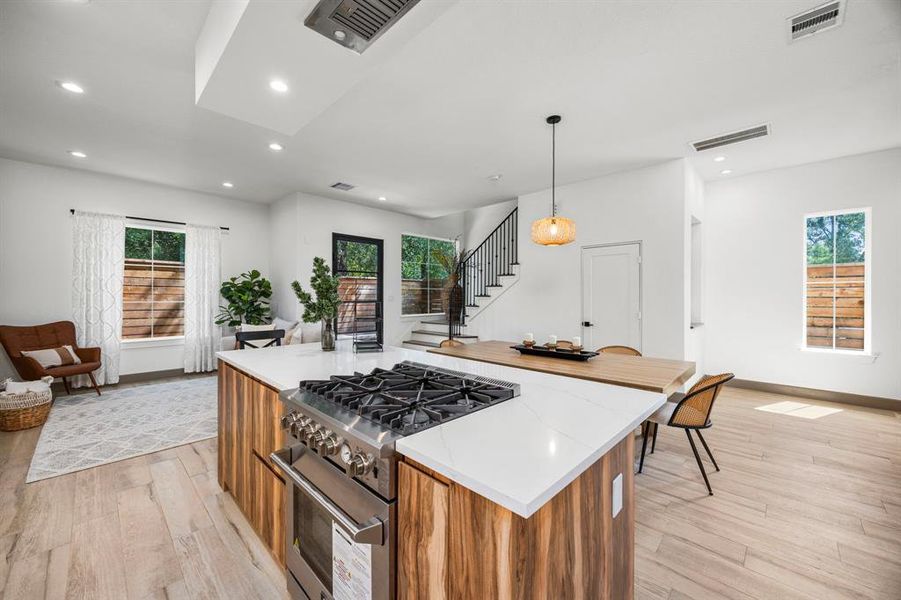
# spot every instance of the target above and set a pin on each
(380, 274)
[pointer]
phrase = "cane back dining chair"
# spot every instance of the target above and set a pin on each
(691, 413)
(625, 350)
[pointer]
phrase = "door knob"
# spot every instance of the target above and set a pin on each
(587, 324)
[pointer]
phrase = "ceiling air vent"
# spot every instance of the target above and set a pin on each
(356, 24)
(819, 19)
(731, 138)
(344, 187)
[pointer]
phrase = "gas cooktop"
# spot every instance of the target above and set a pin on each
(411, 396)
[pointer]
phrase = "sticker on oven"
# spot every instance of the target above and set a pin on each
(351, 567)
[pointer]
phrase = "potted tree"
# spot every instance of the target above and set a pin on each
(452, 261)
(247, 300)
(324, 308)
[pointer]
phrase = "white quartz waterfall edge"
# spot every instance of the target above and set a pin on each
(87, 430)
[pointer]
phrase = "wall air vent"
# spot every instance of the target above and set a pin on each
(356, 24)
(821, 18)
(344, 187)
(731, 138)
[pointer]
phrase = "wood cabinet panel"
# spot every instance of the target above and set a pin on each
(268, 517)
(571, 548)
(248, 432)
(421, 535)
(267, 433)
(235, 425)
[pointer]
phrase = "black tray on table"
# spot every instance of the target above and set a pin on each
(564, 353)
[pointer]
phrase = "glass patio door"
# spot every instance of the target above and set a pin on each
(358, 264)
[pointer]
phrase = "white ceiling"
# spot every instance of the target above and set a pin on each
(456, 92)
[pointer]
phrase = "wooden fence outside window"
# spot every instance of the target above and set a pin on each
(835, 306)
(153, 299)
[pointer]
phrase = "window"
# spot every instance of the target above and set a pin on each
(357, 263)
(153, 298)
(422, 278)
(836, 290)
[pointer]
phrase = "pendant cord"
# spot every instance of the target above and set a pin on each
(553, 169)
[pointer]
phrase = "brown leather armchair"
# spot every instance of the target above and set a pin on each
(40, 337)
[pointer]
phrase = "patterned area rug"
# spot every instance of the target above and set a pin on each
(85, 431)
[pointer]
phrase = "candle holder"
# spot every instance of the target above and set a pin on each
(577, 348)
(551, 346)
(528, 343)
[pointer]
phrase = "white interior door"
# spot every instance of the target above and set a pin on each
(611, 296)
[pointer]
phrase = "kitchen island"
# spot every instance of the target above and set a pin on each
(528, 498)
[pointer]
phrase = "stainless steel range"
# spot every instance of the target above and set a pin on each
(341, 468)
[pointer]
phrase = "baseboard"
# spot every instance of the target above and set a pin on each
(815, 394)
(59, 389)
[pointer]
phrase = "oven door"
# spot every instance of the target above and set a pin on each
(339, 535)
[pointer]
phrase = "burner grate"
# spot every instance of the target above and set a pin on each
(411, 396)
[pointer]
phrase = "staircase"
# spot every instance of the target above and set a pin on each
(487, 270)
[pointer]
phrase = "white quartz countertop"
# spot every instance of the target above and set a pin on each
(519, 453)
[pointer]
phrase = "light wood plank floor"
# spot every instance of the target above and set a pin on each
(802, 509)
(152, 527)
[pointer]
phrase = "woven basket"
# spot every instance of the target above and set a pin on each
(22, 411)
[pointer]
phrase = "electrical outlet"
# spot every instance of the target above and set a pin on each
(617, 504)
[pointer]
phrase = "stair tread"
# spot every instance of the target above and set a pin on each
(444, 333)
(420, 343)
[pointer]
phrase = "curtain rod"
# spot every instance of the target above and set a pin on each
(72, 212)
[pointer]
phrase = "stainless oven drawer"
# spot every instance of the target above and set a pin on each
(322, 505)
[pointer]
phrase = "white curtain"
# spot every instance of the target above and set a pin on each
(98, 269)
(202, 280)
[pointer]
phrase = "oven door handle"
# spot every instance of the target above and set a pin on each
(368, 533)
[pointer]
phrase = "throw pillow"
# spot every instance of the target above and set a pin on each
(54, 357)
(284, 324)
(245, 327)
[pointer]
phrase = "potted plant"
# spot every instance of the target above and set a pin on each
(452, 261)
(324, 308)
(247, 300)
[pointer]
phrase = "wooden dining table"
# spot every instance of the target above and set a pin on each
(645, 373)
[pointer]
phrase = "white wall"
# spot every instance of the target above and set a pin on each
(36, 240)
(303, 225)
(754, 244)
(694, 212)
(480, 222)
(646, 205)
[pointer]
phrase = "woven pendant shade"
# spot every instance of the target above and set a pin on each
(553, 231)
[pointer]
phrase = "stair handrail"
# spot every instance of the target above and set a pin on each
(474, 278)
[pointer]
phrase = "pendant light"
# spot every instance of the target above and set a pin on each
(553, 230)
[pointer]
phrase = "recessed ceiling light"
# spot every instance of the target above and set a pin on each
(725, 171)
(276, 147)
(278, 85)
(71, 86)
(496, 177)
(228, 184)
(719, 158)
(382, 199)
(78, 154)
(339, 34)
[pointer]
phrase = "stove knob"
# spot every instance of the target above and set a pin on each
(360, 464)
(289, 419)
(329, 444)
(300, 422)
(316, 437)
(308, 431)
